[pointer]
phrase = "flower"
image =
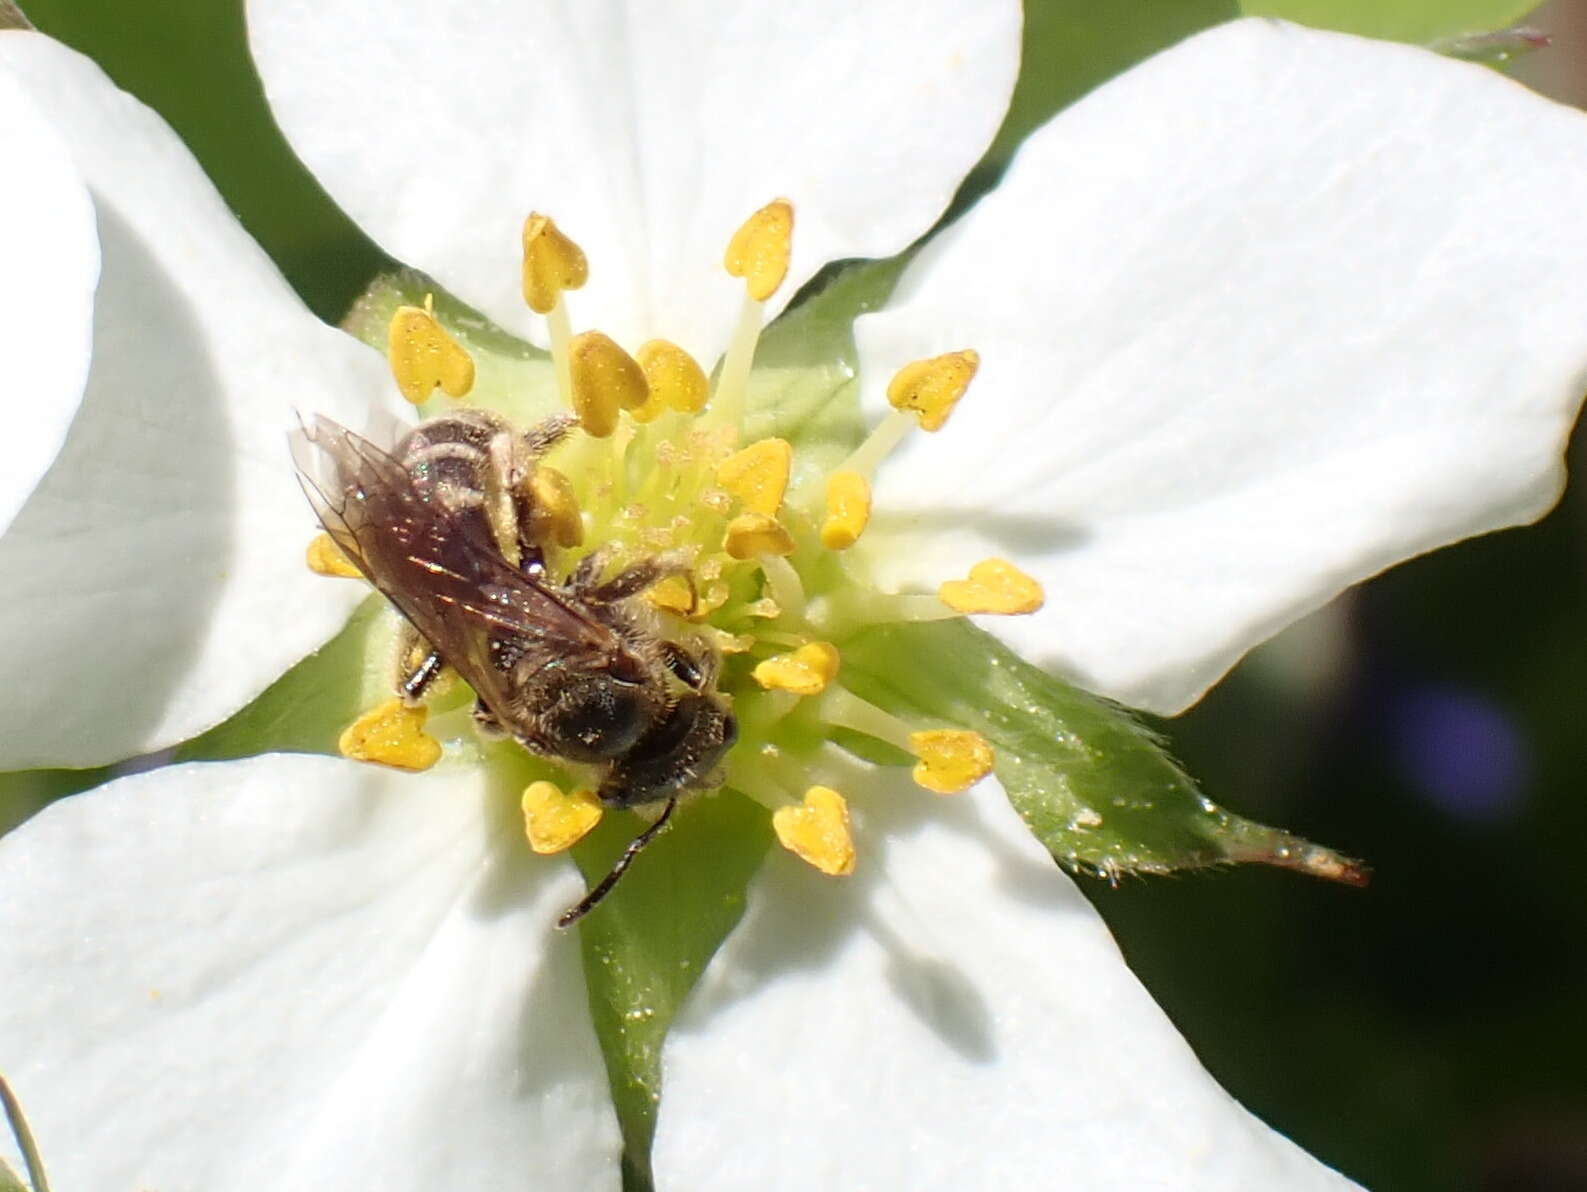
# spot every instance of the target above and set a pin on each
(299, 971)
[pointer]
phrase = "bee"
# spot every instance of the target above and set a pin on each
(444, 527)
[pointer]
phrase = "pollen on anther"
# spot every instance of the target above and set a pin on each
(805, 671)
(554, 508)
(555, 822)
(551, 263)
(817, 831)
(951, 760)
(422, 356)
(677, 382)
(391, 734)
(848, 496)
(758, 475)
(994, 586)
(760, 249)
(674, 594)
(751, 535)
(606, 379)
(324, 557)
(931, 388)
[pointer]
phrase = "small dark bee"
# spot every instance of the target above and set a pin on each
(444, 527)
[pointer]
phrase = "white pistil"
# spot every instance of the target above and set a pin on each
(731, 395)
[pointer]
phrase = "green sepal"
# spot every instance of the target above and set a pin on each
(24, 793)
(10, 1181)
(646, 945)
(1096, 786)
(1422, 22)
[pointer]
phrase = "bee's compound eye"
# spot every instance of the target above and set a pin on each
(729, 731)
(597, 716)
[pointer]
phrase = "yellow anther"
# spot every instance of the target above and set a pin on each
(994, 586)
(848, 510)
(806, 671)
(324, 557)
(674, 595)
(677, 382)
(758, 475)
(393, 735)
(817, 831)
(606, 379)
(759, 249)
(555, 822)
(553, 508)
(422, 355)
(750, 535)
(551, 263)
(951, 760)
(931, 388)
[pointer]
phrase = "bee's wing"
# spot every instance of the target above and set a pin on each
(460, 595)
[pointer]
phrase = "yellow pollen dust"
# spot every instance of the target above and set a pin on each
(606, 379)
(555, 822)
(677, 382)
(931, 388)
(751, 535)
(758, 475)
(674, 595)
(995, 586)
(806, 671)
(551, 263)
(817, 831)
(848, 510)
(759, 250)
(422, 356)
(553, 508)
(951, 760)
(391, 734)
(324, 557)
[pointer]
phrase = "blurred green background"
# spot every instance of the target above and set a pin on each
(1423, 1034)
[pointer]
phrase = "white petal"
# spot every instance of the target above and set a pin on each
(49, 258)
(953, 1016)
(154, 581)
(297, 972)
(648, 131)
(1266, 315)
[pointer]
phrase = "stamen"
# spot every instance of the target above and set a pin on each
(677, 382)
(806, 671)
(841, 708)
(879, 444)
(931, 388)
(951, 760)
(324, 557)
(848, 510)
(422, 356)
(605, 379)
(786, 588)
(759, 250)
(752, 535)
(995, 586)
(391, 734)
(817, 831)
(554, 508)
(758, 475)
(674, 594)
(555, 822)
(551, 263)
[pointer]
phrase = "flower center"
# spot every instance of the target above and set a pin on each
(738, 564)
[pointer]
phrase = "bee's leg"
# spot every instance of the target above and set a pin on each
(418, 664)
(587, 574)
(635, 846)
(631, 581)
(486, 723)
(696, 673)
(547, 433)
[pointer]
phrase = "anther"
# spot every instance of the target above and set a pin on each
(759, 250)
(551, 263)
(553, 508)
(605, 379)
(758, 475)
(994, 586)
(423, 356)
(677, 382)
(391, 734)
(324, 557)
(751, 535)
(555, 822)
(951, 760)
(848, 497)
(931, 388)
(817, 831)
(674, 595)
(806, 671)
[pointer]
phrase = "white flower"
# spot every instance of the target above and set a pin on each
(1261, 317)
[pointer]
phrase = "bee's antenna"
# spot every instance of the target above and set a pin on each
(591, 900)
